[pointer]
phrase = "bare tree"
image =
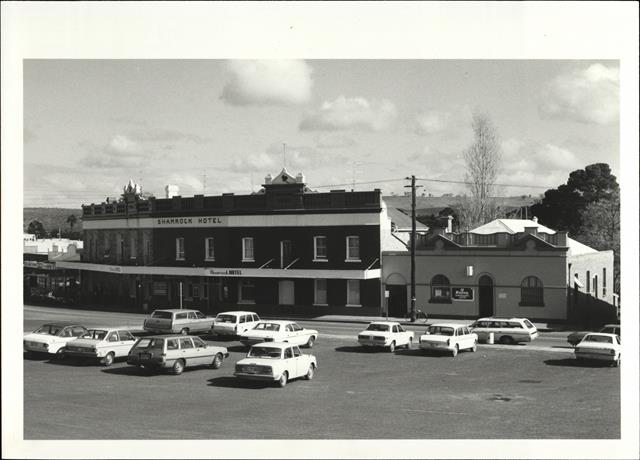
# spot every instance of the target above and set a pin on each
(483, 160)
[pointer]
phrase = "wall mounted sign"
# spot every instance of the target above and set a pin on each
(461, 293)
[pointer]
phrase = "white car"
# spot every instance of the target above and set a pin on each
(599, 346)
(178, 320)
(507, 331)
(385, 334)
(448, 337)
(276, 362)
(51, 338)
(234, 322)
(280, 331)
(102, 344)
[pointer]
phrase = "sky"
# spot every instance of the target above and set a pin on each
(217, 126)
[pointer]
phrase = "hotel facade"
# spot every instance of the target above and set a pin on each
(285, 249)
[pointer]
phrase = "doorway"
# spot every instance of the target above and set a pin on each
(285, 292)
(485, 296)
(286, 253)
(397, 300)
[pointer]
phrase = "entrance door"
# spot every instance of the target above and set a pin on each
(286, 253)
(285, 291)
(485, 295)
(397, 300)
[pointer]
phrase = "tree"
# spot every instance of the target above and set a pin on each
(601, 228)
(71, 220)
(36, 228)
(561, 208)
(482, 164)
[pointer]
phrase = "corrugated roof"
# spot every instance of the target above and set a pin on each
(402, 221)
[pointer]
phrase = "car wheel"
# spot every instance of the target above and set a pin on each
(283, 379)
(310, 372)
(108, 360)
(178, 367)
(184, 331)
(392, 347)
(455, 350)
(60, 354)
(474, 348)
(310, 342)
(507, 340)
(217, 361)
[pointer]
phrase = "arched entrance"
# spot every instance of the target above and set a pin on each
(397, 302)
(485, 296)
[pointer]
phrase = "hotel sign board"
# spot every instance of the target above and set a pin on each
(195, 221)
(462, 293)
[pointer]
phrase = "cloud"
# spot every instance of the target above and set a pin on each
(334, 142)
(298, 158)
(260, 162)
(267, 82)
(119, 152)
(431, 122)
(584, 95)
(354, 113)
(165, 135)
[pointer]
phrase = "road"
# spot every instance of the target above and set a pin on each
(536, 390)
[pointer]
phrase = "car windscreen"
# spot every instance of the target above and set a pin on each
(378, 327)
(161, 314)
(148, 343)
(226, 319)
(598, 338)
(49, 329)
(264, 352)
(440, 330)
(97, 334)
(267, 327)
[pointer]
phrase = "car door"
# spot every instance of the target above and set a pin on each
(201, 351)
(203, 323)
(187, 351)
(404, 335)
(302, 335)
(290, 363)
(299, 361)
(112, 342)
(126, 342)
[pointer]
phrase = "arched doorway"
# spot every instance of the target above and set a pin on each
(485, 296)
(397, 301)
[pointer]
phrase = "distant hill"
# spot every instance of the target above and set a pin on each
(52, 218)
(433, 204)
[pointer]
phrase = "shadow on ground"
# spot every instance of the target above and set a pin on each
(234, 382)
(361, 349)
(572, 362)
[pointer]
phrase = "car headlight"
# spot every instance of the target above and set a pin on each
(46, 345)
(613, 352)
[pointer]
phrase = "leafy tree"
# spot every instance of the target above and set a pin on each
(561, 208)
(601, 228)
(36, 228)
(71, 220)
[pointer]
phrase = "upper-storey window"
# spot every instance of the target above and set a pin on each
(353, 248)
(209, 254)
(180, 248)
(320, 248)
(134, 249)
(247, 249)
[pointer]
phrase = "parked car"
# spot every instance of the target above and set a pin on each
(385, 334)
(173, 321)
(52, 337)
(505, 330)
(575, 337)
(234, 322)
(280, 331)
(599, 347)
(448, 337)
(102, 344)
(276, 362)
(175, 353)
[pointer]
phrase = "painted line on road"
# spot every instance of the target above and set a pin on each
(527, 348)
(436, 411)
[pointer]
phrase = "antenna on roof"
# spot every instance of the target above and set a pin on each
(284, 155)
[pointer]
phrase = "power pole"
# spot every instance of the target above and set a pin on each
(413, 246)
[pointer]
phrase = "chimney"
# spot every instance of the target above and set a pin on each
(300, 178)
(562, 239)
(268, 179)
(171, 191)
(534, 219)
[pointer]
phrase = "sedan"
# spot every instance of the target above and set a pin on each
(598, 346)
(51, 338)
(448, 337)
(279, 331)
(387, 334)
(276, 362)
(102, 344)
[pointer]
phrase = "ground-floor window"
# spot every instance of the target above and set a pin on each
(353, 293)
(247, 291)
(159, 288)
(531, 292)
(320, 292)
(440, 289)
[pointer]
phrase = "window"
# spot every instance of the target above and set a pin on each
(531, 292)
(320, 292)
(198, 342)
(353, 293)
(120, 246)
(133, 252)
(440, 289)
(180, 248)
(159, 288)
(172, 344)
(604, 282)
(208, 249)
(194, 290)
(186, 343)
(353, 248)
(247, 291)
(588, 282)
(296, 352)
(320, 248)
(247, 250)
(288, 353)
(126, 335)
